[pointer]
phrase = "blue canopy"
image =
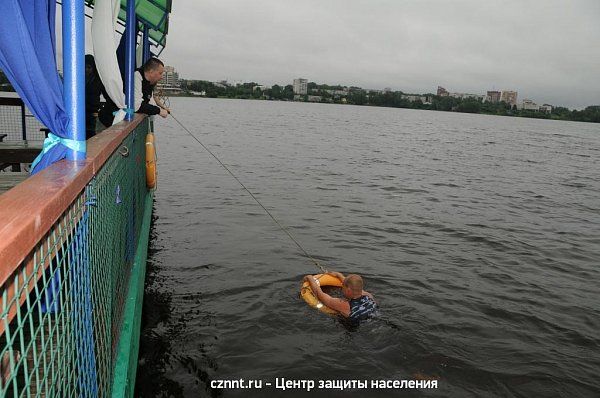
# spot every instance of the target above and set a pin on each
(27, 57)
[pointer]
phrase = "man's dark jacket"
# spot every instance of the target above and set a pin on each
(106, 114)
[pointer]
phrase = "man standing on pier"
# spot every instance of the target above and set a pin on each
(145, 79)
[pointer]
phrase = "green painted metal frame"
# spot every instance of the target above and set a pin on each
(129, 342)
(153, 13)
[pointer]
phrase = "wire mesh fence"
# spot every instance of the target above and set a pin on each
(115, 221)
(17, 121)
(62, 307)
(34, 130)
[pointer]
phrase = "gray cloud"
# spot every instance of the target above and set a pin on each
(546, 50)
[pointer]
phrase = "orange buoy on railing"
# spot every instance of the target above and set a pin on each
(151, 174)
(310, 298)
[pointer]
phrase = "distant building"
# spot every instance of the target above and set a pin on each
(425, 99)
(261, 88)
(413, 98)
(442, 92)
(314, 98)
(170, 78)
(493, 97)
(510, 97)
(466, 95)
(340, 93)
(528, 105)
(300, 86)
(170, 81)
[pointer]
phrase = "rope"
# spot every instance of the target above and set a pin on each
(323, 270)
(163, 97)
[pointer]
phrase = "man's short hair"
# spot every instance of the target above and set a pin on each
(354, 282)
(152, 64)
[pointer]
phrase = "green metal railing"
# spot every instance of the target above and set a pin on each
(70, 307)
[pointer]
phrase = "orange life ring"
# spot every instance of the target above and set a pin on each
(307, 294)
(150, 161)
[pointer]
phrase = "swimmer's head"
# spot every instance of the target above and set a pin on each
(352, 286)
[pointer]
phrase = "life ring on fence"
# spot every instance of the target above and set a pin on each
(307, 294)
(150, 161)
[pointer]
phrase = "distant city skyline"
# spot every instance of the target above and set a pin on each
(545, 50)
(484, 93)
(509, 96)
(498, 103)
(170, 81)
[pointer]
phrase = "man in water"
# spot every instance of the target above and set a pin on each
(357, 303)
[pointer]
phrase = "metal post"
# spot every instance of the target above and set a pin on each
(146, 44)
(130, 33)
(23, 122)
(73, 29)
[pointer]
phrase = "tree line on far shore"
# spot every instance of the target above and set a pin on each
(394, 99)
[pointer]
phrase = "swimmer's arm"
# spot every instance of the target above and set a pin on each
(314, 286)
(338, 275)
(336, 304)
(339, 305)
(365, 293)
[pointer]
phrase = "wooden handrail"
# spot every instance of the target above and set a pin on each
(29, 210)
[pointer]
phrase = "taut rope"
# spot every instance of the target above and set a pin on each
(252, 195)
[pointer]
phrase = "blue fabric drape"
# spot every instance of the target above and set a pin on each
(121, 49)
(28, 58)
(121, 56)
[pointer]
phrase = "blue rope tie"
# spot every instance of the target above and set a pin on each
(52, 141)
(128, 111)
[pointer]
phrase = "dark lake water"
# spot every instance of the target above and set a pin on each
(478, 235)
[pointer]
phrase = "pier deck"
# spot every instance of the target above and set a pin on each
(9, 180)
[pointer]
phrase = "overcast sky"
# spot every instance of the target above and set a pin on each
(547, 50)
